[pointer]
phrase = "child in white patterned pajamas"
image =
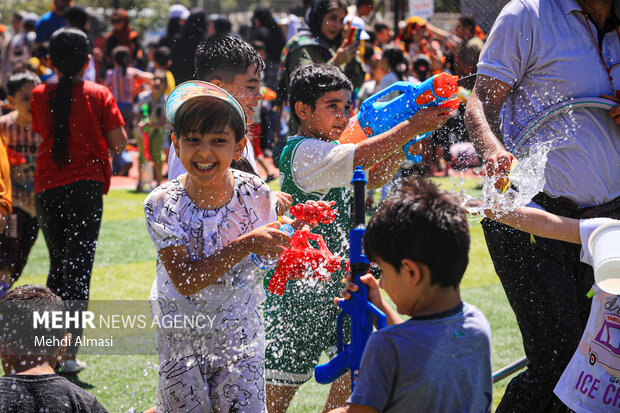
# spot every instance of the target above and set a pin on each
(204, 225)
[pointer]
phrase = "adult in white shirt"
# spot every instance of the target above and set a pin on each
(540, 53)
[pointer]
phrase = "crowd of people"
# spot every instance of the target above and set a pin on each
(205, 107)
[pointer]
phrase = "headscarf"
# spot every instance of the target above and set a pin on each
(316, 14)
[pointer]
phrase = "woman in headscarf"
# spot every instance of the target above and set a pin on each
(321, 42)
(121, 35)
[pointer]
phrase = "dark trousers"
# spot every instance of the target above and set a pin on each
(70, 218)
(27, 231)
(546, 286)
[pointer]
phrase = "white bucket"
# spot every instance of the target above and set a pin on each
(604, 245)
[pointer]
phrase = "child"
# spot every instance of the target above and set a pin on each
(440, 359)
(232, 64)
(302, 323)
(161, 60)
(589, 383)
(29, 383)
(16, 132)
(154, 126)
(122, 81)
(204, 225)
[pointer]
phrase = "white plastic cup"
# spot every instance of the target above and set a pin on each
(604, 245)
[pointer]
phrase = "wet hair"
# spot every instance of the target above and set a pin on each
(122, 57)
(224, 57)
(422, 223)
(17, 80)
(310, 82)
(396, 61)
(161, 56)
(69, 53)
(17, 332)
(206, 114)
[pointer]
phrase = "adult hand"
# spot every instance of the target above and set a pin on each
(614, 112)
(498, 164)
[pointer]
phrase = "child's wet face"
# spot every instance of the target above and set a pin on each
(330, 115)
(206, 158)
(245, 87)
(21, 100)
(333, 23)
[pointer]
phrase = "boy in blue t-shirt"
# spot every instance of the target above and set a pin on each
(440, 359)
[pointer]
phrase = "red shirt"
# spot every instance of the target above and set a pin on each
(93, 113)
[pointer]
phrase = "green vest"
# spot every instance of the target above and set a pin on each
(336, 234)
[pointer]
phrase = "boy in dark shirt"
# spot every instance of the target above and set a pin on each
(30, 384)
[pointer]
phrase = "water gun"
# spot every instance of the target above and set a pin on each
(146, 144)
(377, 117)
(358, 308)
(314, 214)
(301, 256)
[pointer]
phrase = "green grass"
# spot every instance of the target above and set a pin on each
(125, 269)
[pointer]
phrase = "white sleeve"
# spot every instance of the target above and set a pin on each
(175, 168)
(586, 228)
(248, 153)
(505, 55)
(319, 166)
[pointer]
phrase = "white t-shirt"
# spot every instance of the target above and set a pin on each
(175, 168)
(173, 219)
(319, 166)
(592, 378)
(546, 53)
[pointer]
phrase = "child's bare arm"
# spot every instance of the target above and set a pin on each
(190, 277)
(381, 173)
(371, 151)
(540, 223)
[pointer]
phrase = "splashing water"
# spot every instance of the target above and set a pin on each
(532, 149)
(526, 180)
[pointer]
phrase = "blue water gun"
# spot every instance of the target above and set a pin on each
(377, 117)
(358, 308)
